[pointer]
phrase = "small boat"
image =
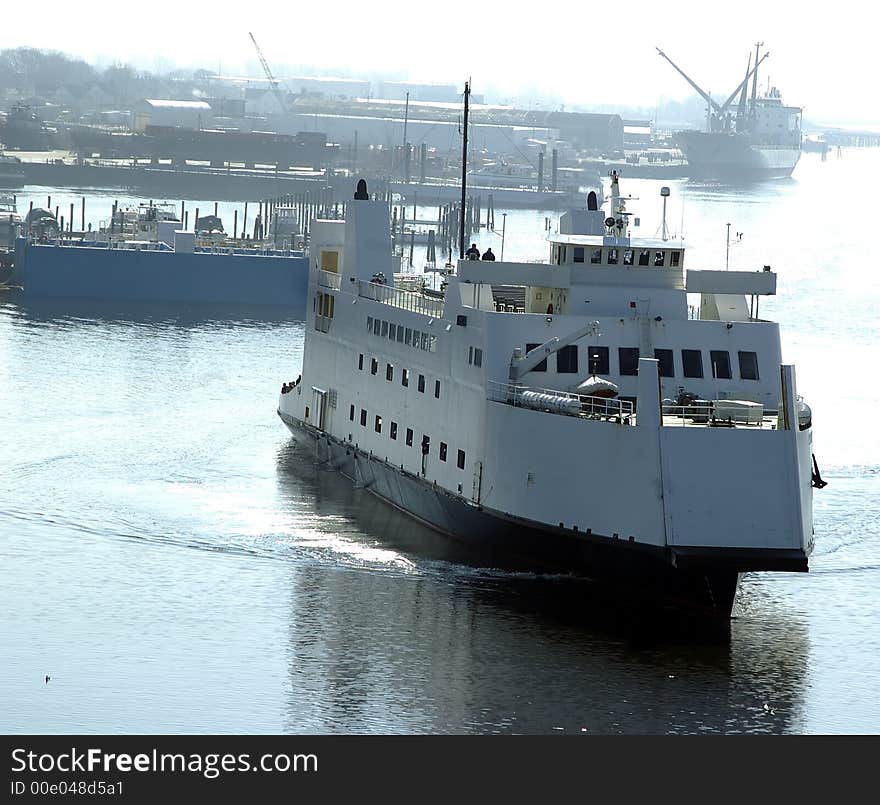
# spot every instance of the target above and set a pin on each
(598, 387)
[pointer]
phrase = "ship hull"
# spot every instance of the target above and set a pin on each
(731, 158)
(642, 579)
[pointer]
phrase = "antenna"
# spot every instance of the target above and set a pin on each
(467, 92)
(664, 192)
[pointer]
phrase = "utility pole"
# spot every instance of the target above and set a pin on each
(727, 258)
(405, 152)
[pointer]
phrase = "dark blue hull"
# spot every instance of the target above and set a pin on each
(96, 272)
(638, 578)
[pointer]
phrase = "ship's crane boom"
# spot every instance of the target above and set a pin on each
(721, 110)
(520, 364)
(702, 93)
(744, 83)
(279, 95)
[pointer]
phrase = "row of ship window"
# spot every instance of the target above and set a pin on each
(402, 335)
(404, 375)
(599, 362)
(408, 438)
(614, 256)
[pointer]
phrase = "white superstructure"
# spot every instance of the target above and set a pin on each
(463, 408)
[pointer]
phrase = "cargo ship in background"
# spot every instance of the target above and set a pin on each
(758, 138)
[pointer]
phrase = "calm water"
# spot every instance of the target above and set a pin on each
(177, 564)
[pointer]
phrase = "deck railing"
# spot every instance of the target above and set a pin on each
(703, 413)
(565, 403)
(414, 301)
(329, 279)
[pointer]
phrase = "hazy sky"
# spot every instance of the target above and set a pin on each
(824, 59)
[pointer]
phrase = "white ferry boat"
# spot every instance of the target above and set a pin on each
(577, 412)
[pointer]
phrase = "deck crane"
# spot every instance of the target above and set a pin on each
(279, 95)
(720, 111)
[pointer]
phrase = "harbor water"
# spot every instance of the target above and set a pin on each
(176, 563)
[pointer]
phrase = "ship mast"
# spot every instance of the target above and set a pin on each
(467, 92)
(752, 110)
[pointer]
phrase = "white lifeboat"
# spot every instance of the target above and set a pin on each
(597, 387)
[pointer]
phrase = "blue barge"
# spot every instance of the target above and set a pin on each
(156, 271)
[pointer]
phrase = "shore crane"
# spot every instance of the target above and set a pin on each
(279, 95)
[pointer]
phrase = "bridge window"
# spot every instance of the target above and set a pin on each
(720, 360)
(628, 257)
(659, 258)
(644, 254)
(369, 324)
(578, 254)
(567, 360)
(612, 257)
(692, 362)
(392, 331)
(408, 339)
(542, 366)
(599, 362)
(399, 334)
(628, 358)
(674, 259)
(596, 256)
(665, 362)
(748, 365)
(384, 329)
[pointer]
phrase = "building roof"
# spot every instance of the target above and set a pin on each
(201, 106)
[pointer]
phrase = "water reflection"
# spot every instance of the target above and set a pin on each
(56, 311)
(417, 642)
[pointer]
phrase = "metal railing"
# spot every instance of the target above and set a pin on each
(413, 301)
(329, 279)
(583, 406)
(703, 413)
